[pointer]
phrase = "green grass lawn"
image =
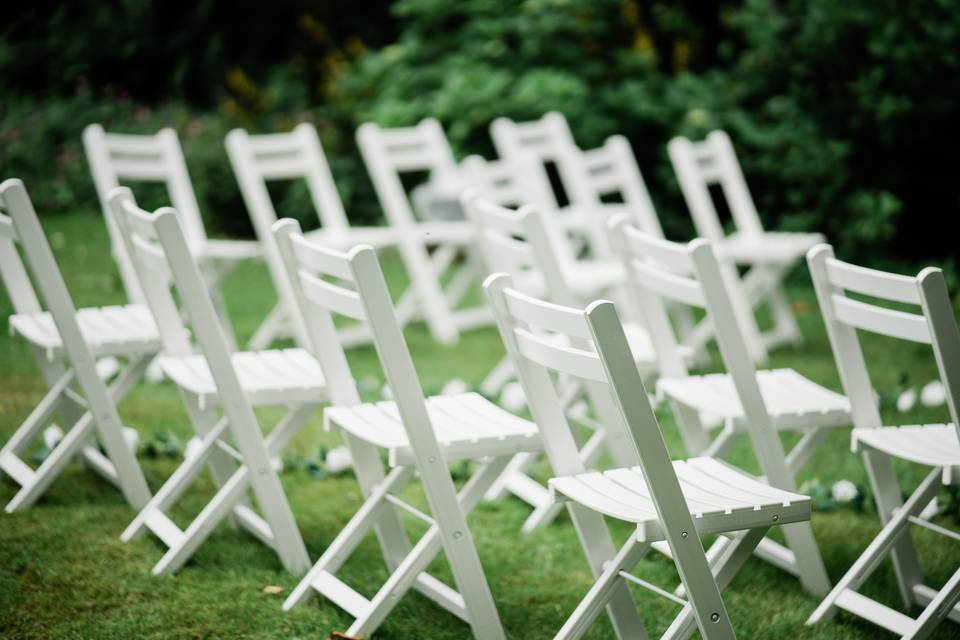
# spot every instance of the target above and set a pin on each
(65, 574)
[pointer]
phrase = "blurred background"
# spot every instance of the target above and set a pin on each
(844, 114)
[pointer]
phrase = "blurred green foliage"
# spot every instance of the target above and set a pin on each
(840, 111)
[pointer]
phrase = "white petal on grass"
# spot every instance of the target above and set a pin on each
(52, 435)
(907, 400)
(454, 387)
(844, 491)
(933, 394)
(338, 460)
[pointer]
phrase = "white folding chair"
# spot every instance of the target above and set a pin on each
(522, 244)
(420, 437)
(389, 153)
(66, 343)
(770, 255)
(116, 157)
(257, 159)
(216, 381)
(748, 401)
(932, 445)
(672, 501)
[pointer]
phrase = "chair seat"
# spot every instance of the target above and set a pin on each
(467, 425)
(793, 402)
(720, 497)
(275, 377)
(935, 445)
(109, 331)
(774, 247)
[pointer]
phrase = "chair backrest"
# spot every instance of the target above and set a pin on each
(116, 157)
(713, 161)
(389, 153)
(588, 344)
(257, 159)
(546, 138)
(935, 324)
(610, 170)
(518, 242)
(19, 225)
(513, 181)
(660, 272)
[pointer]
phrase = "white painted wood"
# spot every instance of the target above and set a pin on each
(117, 158)
(67, 342)
(757, 404)
(298, 154)
(419, 435)
(672, 501)
(698, 165)
(213, 382)
(389, 153)
(935, 446)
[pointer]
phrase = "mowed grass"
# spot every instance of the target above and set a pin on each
(65, 574)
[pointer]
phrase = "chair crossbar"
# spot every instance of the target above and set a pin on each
(331, 296)
(649, 586)
(926, 524)
(888, 322)
(671, 286)
(871, 282)
(409, 508)
(546, 315)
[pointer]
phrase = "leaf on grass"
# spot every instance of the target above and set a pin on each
(336, 635)
(272, 589)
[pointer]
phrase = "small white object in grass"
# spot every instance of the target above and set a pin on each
(933, 394)
(132, 437)
(711, 420)
(512, 397)
(107, 367)
(454, 387)
(154, 373)
(907, 400)
(338, 460)
(193, 448)
(386, 392)
(52, 435)
(844, 491)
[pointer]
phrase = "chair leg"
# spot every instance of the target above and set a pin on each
(695, 437)
(888, 496)
(939, 608)
(895, 529)
(425, 281)
(603, 590)
(498, 377)
(727, 566)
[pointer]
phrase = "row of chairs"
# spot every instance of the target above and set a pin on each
(431, 245)
(566, 358)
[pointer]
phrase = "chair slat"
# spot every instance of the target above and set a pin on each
(330, 296)
(547, 315)
(669, 254)
(152, 257)
(669, 285)
(888, 322)
(558, 357)
(140, 168)
(879, 284)
(281, 166)
(317, 258)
